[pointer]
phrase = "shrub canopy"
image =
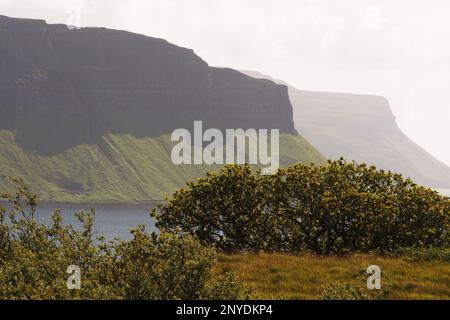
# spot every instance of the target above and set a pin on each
(338, 208)
(34, 259)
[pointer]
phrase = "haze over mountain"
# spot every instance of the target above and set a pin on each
(361, 128)
(85, 113)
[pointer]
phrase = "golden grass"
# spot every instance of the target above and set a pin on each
(282, 276)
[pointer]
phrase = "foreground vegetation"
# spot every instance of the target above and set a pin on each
(34, 259)
(258, 228)
(307, 276)
(335, 209)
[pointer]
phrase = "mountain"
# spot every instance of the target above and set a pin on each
(85, 114)
(62, 87)
(361, 128)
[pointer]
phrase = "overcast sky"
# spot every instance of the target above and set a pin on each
(396, 48)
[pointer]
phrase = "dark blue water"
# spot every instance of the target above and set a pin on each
(110, 221)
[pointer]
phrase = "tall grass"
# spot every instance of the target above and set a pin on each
(280, 276)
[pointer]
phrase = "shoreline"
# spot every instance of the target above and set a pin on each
(144, 204)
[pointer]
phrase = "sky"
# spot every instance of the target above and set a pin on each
(398, 49)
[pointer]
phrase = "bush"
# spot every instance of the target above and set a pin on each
(34, 259)
(425, 254)
(222, 209)
(356, 289)
(339, 208)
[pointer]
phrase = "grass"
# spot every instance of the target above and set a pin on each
(282, 276)
(123, 169)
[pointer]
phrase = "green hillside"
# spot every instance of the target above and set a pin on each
(120, 168)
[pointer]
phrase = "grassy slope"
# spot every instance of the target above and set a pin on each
(122, 169)
(275, 276)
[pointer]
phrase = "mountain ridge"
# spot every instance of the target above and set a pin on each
(102, 81)
(86, 115)
(363, 128)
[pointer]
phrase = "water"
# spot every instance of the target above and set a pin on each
(110, 221)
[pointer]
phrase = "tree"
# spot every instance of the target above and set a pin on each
(338, 208)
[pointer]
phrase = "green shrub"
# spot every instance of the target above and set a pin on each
(425, 254)
(34, 259)
(339, 208)
(222, 209)
(356, 289)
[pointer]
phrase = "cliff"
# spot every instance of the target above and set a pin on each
(86, 115)
(60, 88)
(362, 128)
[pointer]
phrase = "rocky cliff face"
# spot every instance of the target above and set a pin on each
(362, 128)
(60, 88)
